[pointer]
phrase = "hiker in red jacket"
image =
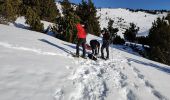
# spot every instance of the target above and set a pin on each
(81, 35)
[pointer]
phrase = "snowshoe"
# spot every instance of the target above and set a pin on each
(106, 58)
(92, 57)
(84, 57)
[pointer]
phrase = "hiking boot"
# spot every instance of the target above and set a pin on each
(84, 57)
(107, 58)
(102, 57)
(76, 56)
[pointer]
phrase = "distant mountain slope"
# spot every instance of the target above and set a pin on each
(122, 18)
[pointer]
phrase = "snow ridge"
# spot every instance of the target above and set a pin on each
(38, 51)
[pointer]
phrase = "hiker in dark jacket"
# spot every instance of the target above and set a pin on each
(106, 42)
(95, 46)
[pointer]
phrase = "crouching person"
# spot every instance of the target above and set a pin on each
(95, 46)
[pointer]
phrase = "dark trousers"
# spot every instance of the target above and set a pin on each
(105, 45)
(82, 42)
(94, 51)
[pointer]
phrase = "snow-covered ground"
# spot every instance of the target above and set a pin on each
(35, 66)
(122, 18)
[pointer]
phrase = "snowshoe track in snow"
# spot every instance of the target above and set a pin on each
(151, 88)
(91, 80)
(105, 80)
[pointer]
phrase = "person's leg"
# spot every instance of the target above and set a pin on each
(96, 51)
(102, 54)
(93, 50)
(92, 46)
(98, 48)
(84, 48)
(107, 51)
(77, 47)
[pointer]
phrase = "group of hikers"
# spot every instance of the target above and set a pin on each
(95, 45)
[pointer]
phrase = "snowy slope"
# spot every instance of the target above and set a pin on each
(35, 66)
(122, 18)
(20, 23)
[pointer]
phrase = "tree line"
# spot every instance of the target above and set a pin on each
(149, 11)
(158, 39)
(33, 10)
(85, 12)
(37, 10)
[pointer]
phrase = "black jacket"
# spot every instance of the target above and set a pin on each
(106, 36)
(106, 39)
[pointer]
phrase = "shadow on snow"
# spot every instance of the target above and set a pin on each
(59, 47)
(158, 67)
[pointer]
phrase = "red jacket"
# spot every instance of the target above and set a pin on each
(81, 33)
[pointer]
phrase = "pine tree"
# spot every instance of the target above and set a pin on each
(112, 30)
(33, 4)
(168, 17)
(118, 40)
(71, 31)
(10, 14)
(82, 11)
(93, 19)
(16, 6)
(142, 40)
(130, 34)
(159, 41)
(49, 10)
(45, 9)
(88, 15)
(33, 20)
(66, 24)
(9, 10)
(3, 19)
(38, 9)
